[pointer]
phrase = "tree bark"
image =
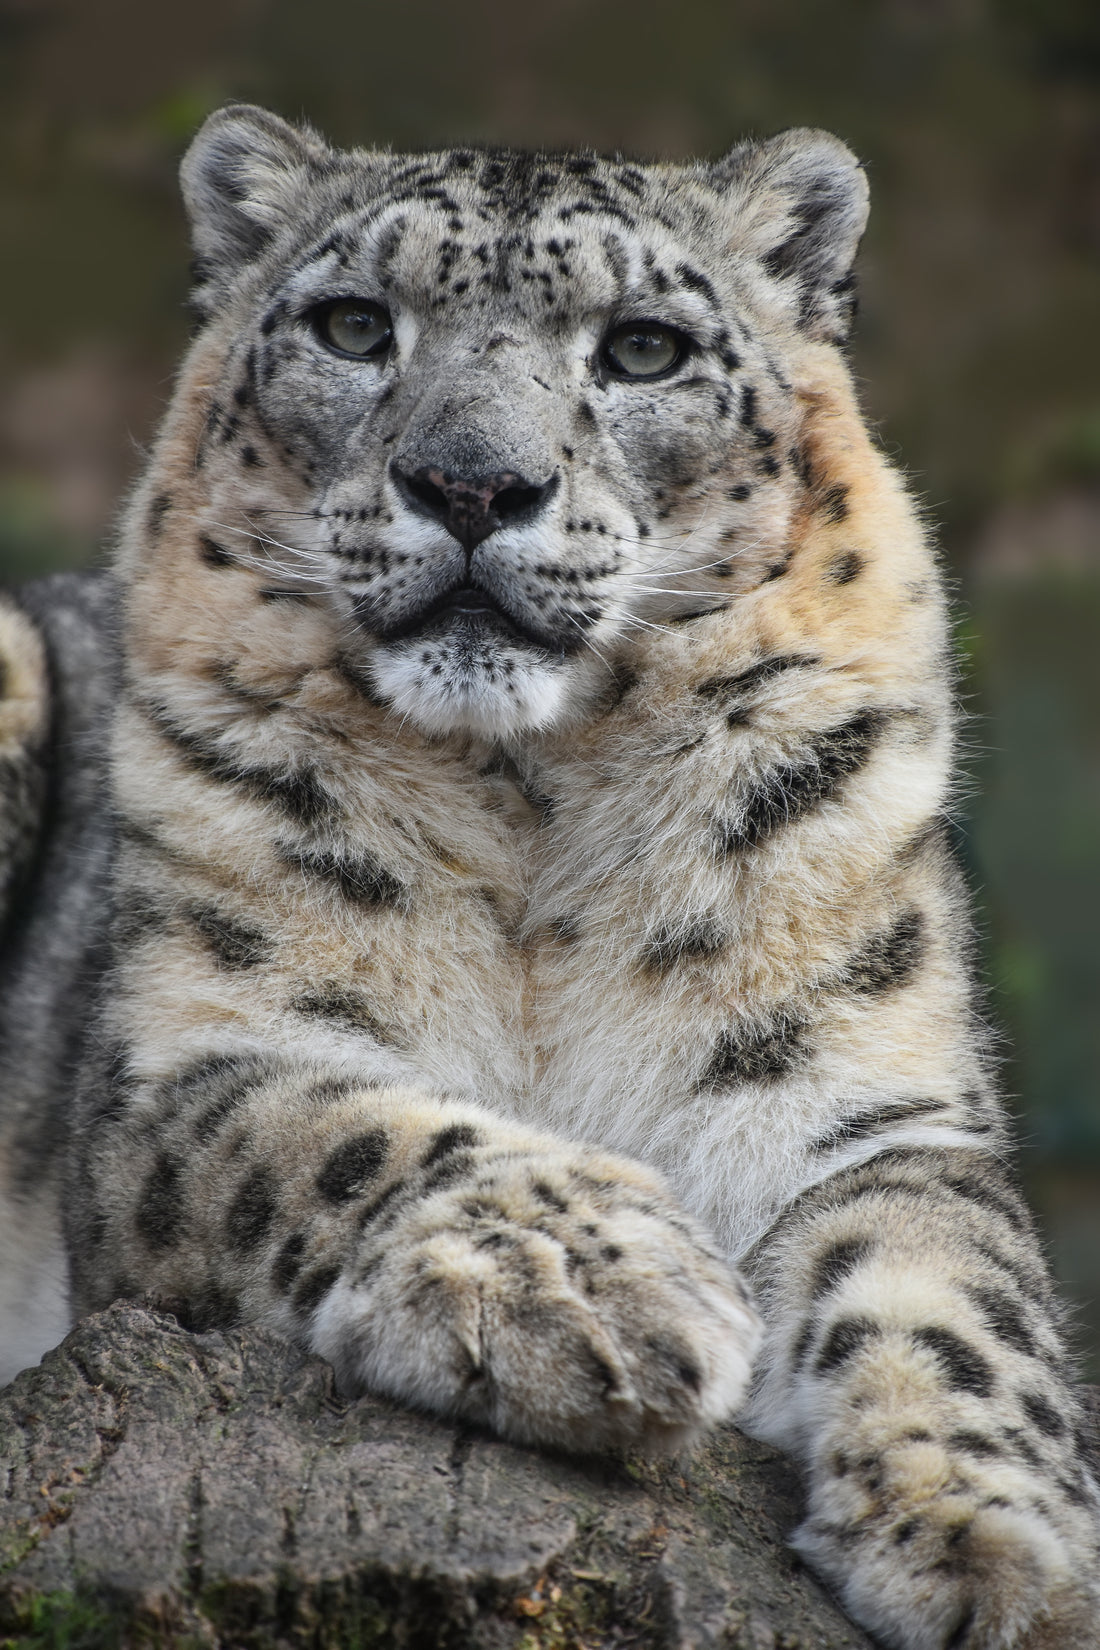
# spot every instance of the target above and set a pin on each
(165, 1488)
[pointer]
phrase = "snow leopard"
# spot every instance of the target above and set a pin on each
(480, 889)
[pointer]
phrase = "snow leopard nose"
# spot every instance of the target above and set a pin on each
(472, 509)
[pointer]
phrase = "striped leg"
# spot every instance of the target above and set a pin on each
(431, 1251)
(914, 1364)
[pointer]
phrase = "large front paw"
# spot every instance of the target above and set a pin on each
(944, 1548)
(560, 1299)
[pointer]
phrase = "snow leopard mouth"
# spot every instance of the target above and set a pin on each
(465, 612)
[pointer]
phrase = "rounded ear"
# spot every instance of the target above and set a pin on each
(241, 178)
(799, 203)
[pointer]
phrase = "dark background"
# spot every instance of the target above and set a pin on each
(978, 346)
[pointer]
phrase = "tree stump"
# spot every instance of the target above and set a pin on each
(164, 1488)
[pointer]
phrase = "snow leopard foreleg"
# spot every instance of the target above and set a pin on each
(914, 1363)
(430, 1250)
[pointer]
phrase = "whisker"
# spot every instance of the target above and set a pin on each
(266, 563)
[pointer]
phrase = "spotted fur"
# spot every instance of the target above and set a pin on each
(511, 754)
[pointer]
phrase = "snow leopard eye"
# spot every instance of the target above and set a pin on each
(643, 349)
(354, 326)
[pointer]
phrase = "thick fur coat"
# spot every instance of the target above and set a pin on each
(538, 978)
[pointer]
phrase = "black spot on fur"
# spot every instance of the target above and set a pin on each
(213, 554)
(288, 1262)
(456, 1137)
(358, 876)
(250, 458)
(252, 1210)
(974, 1443)
(788, 793)
(833, 504)
(801, 461)
(160, 1210)
(220, 1083)
(549, 1197)
(984, 1184)
(671, 946)
(455, 1166)
(836, 1262)
(158, 509)
(676, 1360)
(383, 1210)
(1024, 1449)
(1083, 1442)
(844, 568)
(597, 1367)
(1075, 1491)
(299, 793)
(112, 1087)
(802, 1344)
(356, 680)
(777, 569)
(698, 282)
(137, 914)
(352, 1167)
(1004, 1316)
(330, 1090)
(702, 612)
(235, 944)
(1042, 1414)
(889, 959)
(865, 1124)
(313, 1289)
(346, 1007)
(963, 1366)
(962, 1629)
(845, 1339)
(753, 1053)
(623, 681)
(745, 682)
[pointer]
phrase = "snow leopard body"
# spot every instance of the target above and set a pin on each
(479, 895)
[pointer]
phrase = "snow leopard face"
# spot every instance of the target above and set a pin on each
(523, 402)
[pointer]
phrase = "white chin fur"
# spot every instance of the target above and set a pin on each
(521, 694)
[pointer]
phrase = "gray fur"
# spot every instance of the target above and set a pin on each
(53, 949)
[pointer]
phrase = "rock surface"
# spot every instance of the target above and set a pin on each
(166, 1488)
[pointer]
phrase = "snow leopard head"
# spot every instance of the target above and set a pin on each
(510, 409)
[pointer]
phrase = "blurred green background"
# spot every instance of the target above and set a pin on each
(978, 346)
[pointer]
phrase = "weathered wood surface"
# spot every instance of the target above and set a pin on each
(164, 1488)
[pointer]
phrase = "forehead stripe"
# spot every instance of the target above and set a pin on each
(698, 283)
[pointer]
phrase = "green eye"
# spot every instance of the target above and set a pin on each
(353, 326)
(642, 349)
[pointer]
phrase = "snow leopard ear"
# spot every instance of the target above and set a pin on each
(243, 178)
(798, 203)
